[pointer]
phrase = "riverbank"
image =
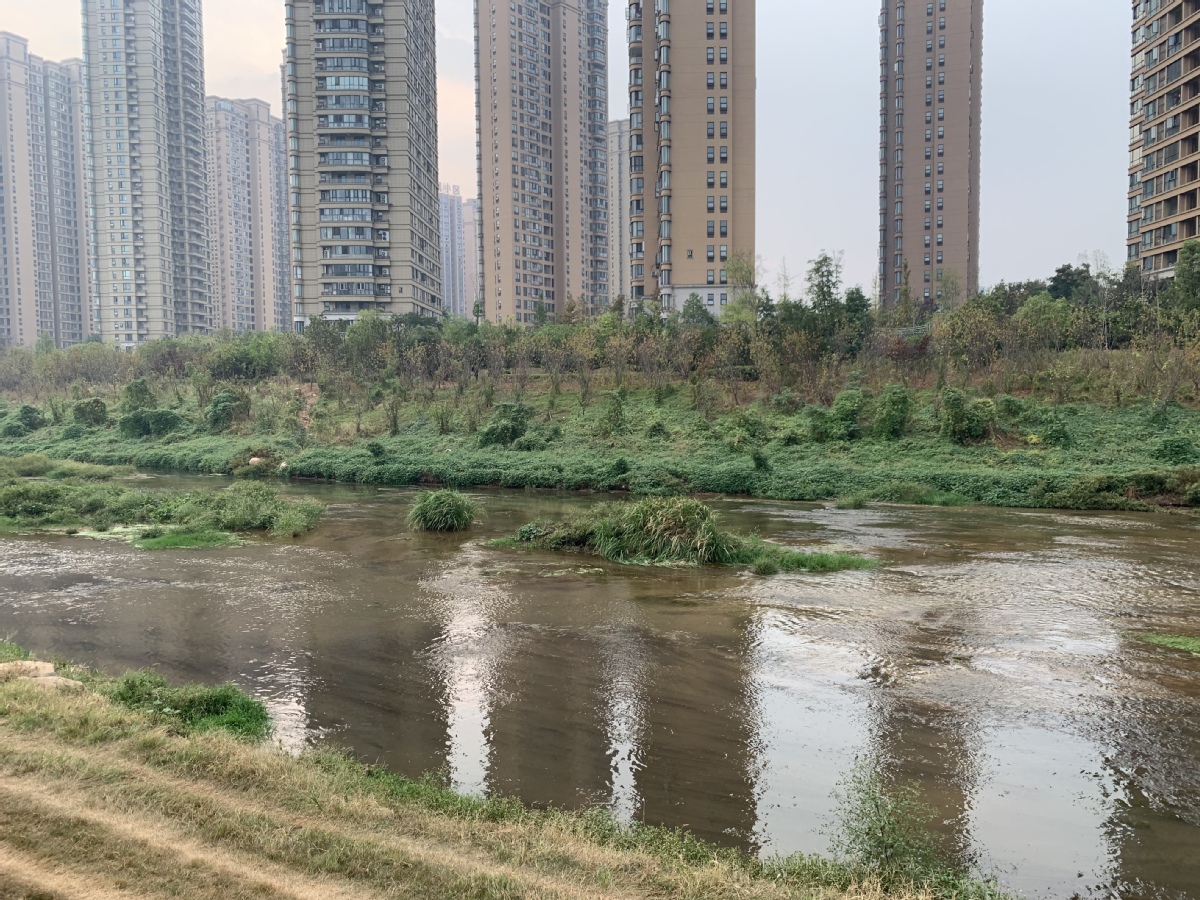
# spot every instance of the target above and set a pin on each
(1022, 453)
(101, 800)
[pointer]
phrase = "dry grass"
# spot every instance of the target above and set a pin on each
(96, 801)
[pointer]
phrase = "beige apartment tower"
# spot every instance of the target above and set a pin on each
(1164, 134)
(618, 209)
(43, 215)
(360, 86)
(692, 148)
(541, 71)
(149, 180)
(247, 173)
(929, 140)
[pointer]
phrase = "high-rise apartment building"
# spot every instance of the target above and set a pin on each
(360, 84)
(149, 179)
(541, 71)
(472, 241)
(1164, 150)
(454, 257)
(247, 161)
(618, 209)
(692, 147)
(43, 215)
(930, 105)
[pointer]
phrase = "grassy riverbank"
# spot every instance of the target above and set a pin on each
(129, 785)
(37, 493)
(1026, 452)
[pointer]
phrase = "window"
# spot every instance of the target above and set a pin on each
(724, 154)
(724, 203)
(724, 179)
(711, 81)
(724, 55)
(712, 203)
(724, 228)
(712, 276)
(724, 252)
(712, 130)
(712, 253)
(712, 56)
(724, 129)
(710, 30)
(724, 80)
(712, 105)
(712, 179)
(712, 228)
(724, 105)
(712, 154)
(723, 30)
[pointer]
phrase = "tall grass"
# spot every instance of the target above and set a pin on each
(442, 511)
(194, 708)
(243, 507)
(674, 531)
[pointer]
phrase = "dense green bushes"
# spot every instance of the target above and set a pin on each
(192, 708)
(673, 531)
(244, 507)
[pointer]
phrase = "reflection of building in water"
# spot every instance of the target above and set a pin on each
(699, 763)
(548, 731)
(926, 742)
(1154, 835)
(373, 673)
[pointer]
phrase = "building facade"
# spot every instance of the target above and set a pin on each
(148, 165)
(246, 160)
(454, 258)
(360, 85)
(1164, 134)
(472, 243)
(43, 215)
(929, 150)
(618, 209)
(692, 148)
(541, 74)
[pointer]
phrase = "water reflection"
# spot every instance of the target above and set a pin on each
(994, 660)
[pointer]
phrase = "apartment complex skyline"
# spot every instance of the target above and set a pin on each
(361, 96)
(1164, 134)
(247, 157)
(43, 213)
(692, 137)
(929, 149)
(149, 179)
(618, 209)
(541, 95)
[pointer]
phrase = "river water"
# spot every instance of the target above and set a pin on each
(995, 658)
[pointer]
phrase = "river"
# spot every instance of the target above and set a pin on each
(995, 658)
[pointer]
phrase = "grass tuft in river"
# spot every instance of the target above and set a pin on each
(1174, 642)
(672, 531)
(443, 511)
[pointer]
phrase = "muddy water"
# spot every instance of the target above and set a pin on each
(995, 658)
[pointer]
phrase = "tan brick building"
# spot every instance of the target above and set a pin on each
(43, 212)
(692, 147)
(247, 173)
(149, 179)
(930, 99)
(541, 71)
(360, 87)
(1164, 133)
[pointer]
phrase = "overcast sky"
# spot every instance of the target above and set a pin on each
(1055, 118)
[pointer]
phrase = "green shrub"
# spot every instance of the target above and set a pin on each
(854, 501)
(138, 395)
(613, 421)
(672, 531)
(844, 417)
(74, 432)
(10, 652)
(892, 412)
(1176, 450)
(91, 413)
(965, 420)
(1174, 642)
(31, 418)
(193, 708)
(442, 511)
(510, 421)
(150, 423)
(226, 408)
(13, 430)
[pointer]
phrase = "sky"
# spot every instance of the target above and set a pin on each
(1055, 119)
